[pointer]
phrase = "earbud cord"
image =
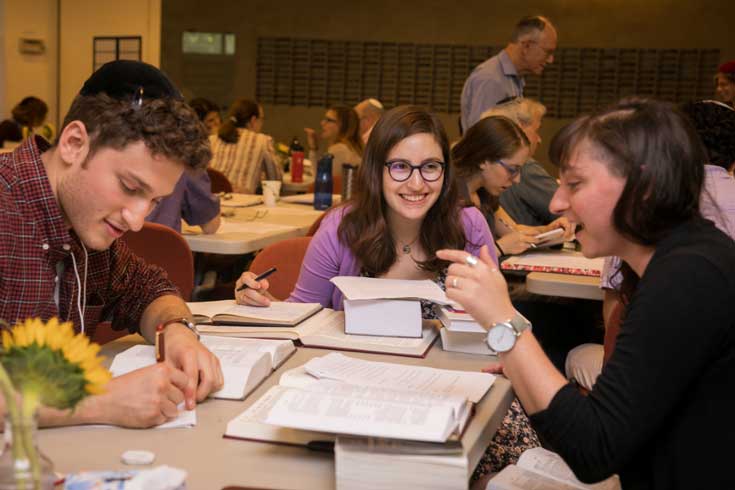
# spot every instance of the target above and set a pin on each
(82, 289)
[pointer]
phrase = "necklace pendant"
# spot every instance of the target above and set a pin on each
(407, 249)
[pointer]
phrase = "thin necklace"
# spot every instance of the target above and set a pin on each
(406, 247)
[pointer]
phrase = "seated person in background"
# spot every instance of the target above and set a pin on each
(489, 159)
(192, 200)
(28, 114)
(208, 113)
(241, 151)
(368, 111)
(714, 122)
(406, 208)
(631, 176)
(124, 144)
(725, 83)
(527, 202)
(340, 132)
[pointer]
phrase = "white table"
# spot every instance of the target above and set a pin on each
(213, 462)
(253, 228)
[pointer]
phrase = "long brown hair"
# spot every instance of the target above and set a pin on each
(364, 227)
(349, 128)
(487, 141)
(239, 115)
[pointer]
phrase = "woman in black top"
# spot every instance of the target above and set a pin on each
(659, 414)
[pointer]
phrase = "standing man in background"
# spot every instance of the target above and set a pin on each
(369, 111)
(530, 50)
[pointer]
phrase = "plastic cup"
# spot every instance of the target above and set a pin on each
(271, 192)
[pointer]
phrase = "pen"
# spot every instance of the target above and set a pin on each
(160, 343)
(259, 278)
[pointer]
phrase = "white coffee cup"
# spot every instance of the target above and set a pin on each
(271, 191)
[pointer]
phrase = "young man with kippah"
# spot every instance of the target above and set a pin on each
(124, 143)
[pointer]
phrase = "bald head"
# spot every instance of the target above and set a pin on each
(369, 111)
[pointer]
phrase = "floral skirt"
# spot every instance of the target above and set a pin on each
(514, 436)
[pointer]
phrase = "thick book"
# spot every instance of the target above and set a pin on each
(541, 469)
(389, 307)
(465, 342)
(245, 362)
(227, 312)
(368, 463)
(376, 399)
(457, 320)
(326, 329)
(560, 262)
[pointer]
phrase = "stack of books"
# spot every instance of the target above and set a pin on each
(461, 333)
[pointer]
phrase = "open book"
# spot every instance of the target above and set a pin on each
(561, 262)
(540, 469)
(337, 394)
(245, 362)
(227, 312)
(326, 329)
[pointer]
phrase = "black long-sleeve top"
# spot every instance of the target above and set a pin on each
(660, 414)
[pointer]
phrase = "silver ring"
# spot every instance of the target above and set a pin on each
(471, 260)
(455, 283)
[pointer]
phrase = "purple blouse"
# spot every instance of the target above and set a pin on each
(328, 257)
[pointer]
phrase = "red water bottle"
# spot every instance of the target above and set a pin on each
(297, 161)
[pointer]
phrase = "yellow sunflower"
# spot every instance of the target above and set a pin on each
(50, 361)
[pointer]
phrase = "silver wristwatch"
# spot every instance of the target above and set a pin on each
(502, 336)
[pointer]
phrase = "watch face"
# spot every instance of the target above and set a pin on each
(501, 338)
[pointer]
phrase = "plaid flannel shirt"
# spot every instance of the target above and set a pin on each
(34, 240)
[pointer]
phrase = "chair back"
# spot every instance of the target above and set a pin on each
(612, 329)
(220, 182)
(164, 247)
(286, 255)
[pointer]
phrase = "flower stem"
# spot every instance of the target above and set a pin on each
(29, 404)
(8, 391)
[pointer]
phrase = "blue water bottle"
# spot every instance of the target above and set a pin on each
(323, 183)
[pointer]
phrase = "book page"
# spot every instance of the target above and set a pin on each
(551, 465)
(465, 384)
(344, 409)
(514, 478)
(210, 308)
(140, 356)
(355, 287)
(251, 424)
(278, 311)
(231, 350)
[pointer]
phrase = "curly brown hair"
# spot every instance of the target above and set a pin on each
(167, 126)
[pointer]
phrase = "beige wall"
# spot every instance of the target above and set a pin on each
(22, 75)
(81, 20)
(593, 23)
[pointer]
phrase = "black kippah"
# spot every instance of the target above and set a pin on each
(125, 78)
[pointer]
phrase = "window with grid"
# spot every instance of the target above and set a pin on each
(314, 72)
(111, 48)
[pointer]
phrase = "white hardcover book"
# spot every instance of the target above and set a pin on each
(383, 317)
(466, 342)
